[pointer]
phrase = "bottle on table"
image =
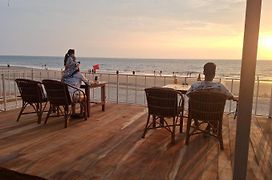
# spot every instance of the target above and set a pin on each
(199, 77)
(175, 80)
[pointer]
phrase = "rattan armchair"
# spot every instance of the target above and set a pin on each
(59, 96)
(164, 103)
(206, 110)
(32, 93)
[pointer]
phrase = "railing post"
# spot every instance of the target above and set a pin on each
(257, 95)
(100, 76)
(40, 75)
(32, 74)
(4, 92)
(231, 90)
(145, 87)
(117, 87)
(127, 90)
(15, 91)
(185, 80)
(135, 89)
(108, 86)
(48, 74)
(9, 86)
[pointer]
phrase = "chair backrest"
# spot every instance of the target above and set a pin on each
(162, 101)
(57, 92)
(31, 91)
(206, 105)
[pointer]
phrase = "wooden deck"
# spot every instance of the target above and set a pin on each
(109, 146)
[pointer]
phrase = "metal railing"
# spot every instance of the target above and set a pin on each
(129, 88)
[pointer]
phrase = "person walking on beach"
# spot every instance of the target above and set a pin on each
(208, 84)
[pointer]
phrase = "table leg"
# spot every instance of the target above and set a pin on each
(103, 97)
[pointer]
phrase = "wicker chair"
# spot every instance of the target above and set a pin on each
(206, 108)
(32, 93)
(162, 103)
(58, 96)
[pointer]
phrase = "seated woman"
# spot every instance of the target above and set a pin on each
(73, 76)
(70, 64)
(75, 81)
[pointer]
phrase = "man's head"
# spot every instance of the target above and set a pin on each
(209, 71)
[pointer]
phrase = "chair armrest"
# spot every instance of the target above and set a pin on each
(181, 101)
(78, 89)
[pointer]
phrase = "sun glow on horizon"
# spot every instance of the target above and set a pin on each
(265, 47)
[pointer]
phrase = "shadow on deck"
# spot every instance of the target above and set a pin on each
(109, 146)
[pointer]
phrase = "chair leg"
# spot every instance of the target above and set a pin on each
(22, 109)
(189, 121)
(66, 116)
(220, 135)
(39, 112)
(173, 131)
(51, 108)
(162, 121)
(181, 122)
(147, 122)
(85, 111)
(154, 121)
(59, 111)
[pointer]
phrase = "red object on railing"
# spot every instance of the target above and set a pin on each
(95, 67)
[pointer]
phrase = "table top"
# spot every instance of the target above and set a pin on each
(179, 87)
(94, 84)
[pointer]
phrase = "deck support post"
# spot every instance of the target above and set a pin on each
(249, 56)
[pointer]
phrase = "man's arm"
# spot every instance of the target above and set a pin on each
(229, 95)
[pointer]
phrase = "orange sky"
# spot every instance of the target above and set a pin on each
(134, 29)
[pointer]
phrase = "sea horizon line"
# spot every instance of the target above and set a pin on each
(136, 58)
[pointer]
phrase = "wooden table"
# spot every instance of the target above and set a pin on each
(179, 87)
(182, 89)
(87, 88)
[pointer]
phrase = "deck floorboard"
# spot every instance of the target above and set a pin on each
(109, 146)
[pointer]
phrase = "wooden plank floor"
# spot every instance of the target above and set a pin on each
(109, 146)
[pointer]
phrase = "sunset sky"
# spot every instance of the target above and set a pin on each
(130, 28)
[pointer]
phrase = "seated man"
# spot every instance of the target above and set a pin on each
(208, 84)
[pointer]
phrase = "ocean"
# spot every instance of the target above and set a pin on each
(182, 67)
(131, 87)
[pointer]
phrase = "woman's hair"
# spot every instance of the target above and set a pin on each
(69, 53)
